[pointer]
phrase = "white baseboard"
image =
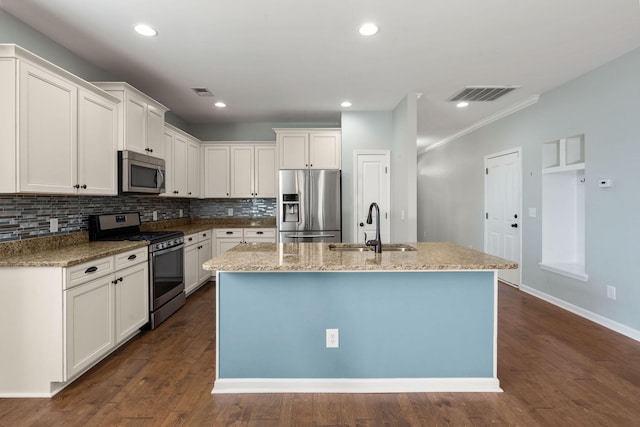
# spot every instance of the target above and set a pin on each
(596, 318)
(354, 385)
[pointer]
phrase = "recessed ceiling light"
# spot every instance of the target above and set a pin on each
(220, 104)
(368, 29)
(462, 104)
(145, 30)
(345, 104)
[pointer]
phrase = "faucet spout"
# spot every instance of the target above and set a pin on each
(377, 242)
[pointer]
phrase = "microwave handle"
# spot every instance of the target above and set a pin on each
(159, 178)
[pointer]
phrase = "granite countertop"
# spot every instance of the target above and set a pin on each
(75, 248)
(252, 257)
(198, 225)
(69, 255)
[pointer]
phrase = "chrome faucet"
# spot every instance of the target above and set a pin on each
(377, 242)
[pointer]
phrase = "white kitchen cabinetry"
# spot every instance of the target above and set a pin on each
(216, 171)
(240, 170)
(227, 238)
(193, 169)
(105, 311)
(140, 118)
(69, 319)
(182, 163)
(58, 131)
(309, 148)
(197, 251)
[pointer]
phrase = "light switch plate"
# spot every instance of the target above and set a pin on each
(533, 212)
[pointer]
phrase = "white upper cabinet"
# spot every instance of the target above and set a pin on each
(193, 168)
(240, 170)
(97, 143)
(216, 171)
(58, 131)
(309, 148)
(182, 163)
(141, 120)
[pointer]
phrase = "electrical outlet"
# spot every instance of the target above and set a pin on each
(533, 212)
(155, 215)
(333, 338)
(230, 211)
(611, 292)
(53, 225)
(180, 213)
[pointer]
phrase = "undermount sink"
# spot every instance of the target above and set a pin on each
(354, 247)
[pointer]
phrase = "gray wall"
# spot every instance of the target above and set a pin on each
(403, 171)
(603, 106)
(369, 130)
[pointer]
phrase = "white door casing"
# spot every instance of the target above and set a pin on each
(503, 210)
(372, 183)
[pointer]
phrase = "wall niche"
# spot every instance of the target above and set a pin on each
(563, 207)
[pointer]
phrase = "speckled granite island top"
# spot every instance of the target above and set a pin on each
(252, 257)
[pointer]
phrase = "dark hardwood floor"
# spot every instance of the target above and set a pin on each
(556, 369)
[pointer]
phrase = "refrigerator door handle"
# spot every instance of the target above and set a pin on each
(304, 236)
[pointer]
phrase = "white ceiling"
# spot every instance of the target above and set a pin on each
(296, 60)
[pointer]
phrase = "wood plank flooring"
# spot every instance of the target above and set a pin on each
(556, 369)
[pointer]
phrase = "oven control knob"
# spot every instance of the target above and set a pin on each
(159, 246)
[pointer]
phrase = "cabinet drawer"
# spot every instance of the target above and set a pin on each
(260, 232)
(228, 232)
(130, 258)
(204, 235)
(82, 273)
(191, 239)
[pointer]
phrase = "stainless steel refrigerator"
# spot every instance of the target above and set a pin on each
(310, 205)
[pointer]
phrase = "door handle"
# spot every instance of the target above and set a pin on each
(514, 225)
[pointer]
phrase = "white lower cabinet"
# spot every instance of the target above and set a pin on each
(197, 251)
(90, 320)
(103, 312)
(227, 238)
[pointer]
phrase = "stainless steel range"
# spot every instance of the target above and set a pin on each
(166, 260)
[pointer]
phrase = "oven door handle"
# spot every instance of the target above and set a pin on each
(166, 251)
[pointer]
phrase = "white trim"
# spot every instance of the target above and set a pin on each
(484, 122)
(575, 271)
(589, 315)
(355, 385)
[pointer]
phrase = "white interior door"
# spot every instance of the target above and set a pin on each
(372, 181)
(503, 217)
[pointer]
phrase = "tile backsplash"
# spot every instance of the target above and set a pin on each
(27, 216)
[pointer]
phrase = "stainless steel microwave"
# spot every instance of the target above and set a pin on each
(139, 173)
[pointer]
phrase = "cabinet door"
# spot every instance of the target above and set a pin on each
(155, 131)
(204, 255)
(224, 244)
(216, 171)
(325, 150)
(168, 162)
(89, 323)
(242, 171)
(191, 268)
(266, 171)
(135, 121)
(193, 169)
(131, 300)
(293, 149)
(97, 144)
(48, 132)
(180, 147)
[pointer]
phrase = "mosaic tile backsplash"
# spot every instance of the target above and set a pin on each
(27, 216)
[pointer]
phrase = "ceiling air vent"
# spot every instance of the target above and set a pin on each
(481, 93)
(201, 91)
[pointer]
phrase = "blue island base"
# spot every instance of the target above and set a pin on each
(398, 332)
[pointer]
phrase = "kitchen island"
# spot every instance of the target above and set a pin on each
(422, 320)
